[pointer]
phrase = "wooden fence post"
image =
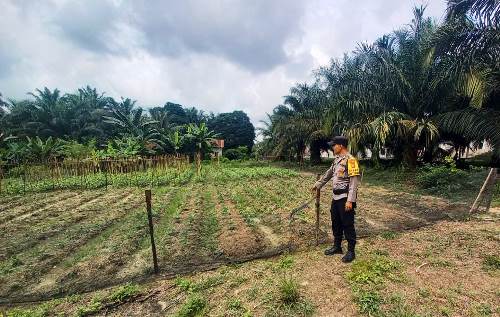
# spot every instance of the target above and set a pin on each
(106, 174)
(318, 193)
(151, 233)
(489, 183)
(24, 179)
(1, 178)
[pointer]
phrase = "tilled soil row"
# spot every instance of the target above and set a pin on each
(33, 206)
(44, 256)
(26, 235)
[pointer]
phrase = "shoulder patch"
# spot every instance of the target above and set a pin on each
(352, 167)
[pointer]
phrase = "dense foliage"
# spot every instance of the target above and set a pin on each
(87, 123)
(410, 91)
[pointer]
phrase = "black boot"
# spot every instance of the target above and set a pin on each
(349, 257)
(333, 250)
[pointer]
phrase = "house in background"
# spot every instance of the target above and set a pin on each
(218, 145)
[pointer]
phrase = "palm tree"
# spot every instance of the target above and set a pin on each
(49, 114)
(308, 104)
(468, 46)
(84, 111)
(386, 94)
(195, 116)
(297, 123)
(202, 138)
(135, 125)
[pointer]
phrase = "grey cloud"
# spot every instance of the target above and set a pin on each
(249, 33)
(90, 24)
(7, 61)
(220, 54)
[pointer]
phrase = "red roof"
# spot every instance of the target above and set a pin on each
(219, 143)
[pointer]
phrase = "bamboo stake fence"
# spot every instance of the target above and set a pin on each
(56, 171)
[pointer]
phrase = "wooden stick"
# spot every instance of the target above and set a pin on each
(151, 233)
(491, 192)
(318, 193)
(475, 205)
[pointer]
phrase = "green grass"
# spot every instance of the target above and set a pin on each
(132, 226)
(151, 178)
(289, 291)
(117, 296)
(389, 235)
(234, 307)
(367, 278)
(43, 310)
(451, 183)
(194, 306)
(491, 263)
(209, 225)
(124, 293)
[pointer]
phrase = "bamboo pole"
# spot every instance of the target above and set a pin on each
(318, 193)
(489, 181)
(491, 192)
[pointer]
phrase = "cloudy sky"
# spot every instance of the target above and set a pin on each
(218, 55)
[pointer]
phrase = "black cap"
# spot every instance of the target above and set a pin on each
(342, 140)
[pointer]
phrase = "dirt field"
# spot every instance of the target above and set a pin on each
(67, 242)
(446, 269)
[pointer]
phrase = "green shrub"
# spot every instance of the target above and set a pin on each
(431, 176)
(239, 153)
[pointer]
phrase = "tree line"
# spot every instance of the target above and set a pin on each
(50, 125)
(411, 90)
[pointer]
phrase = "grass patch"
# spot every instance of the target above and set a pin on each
(235, 307)
(491, 263)
(285, 263)
(389, 235)
(287, 301)
(367, 277)
(118, 296)
(482, 310)
(442, 180)
(205, 284)
(42, 310)
(195, 305)
(209, 224)
(289, 291)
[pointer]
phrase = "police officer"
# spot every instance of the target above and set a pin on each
(345, 174)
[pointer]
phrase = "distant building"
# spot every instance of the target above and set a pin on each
(218, 145)
(384, 154)
(471, 151)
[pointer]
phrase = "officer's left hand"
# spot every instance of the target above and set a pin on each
(348, 206)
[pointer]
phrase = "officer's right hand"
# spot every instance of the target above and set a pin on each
(314, 189)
